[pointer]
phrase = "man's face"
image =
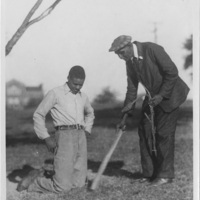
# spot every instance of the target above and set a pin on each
(125, 53)
(75, 84)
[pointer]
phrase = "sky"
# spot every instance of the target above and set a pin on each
(80, 32)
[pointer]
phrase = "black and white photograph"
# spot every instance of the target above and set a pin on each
(100, 100)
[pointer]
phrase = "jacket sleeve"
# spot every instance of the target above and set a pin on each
(132, 86)
(168, 70)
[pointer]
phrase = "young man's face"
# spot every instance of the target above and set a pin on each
(125, 53)
(75, 84)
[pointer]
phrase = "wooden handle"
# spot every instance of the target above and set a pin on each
(107, 158)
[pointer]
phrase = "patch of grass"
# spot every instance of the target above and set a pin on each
(116, 183)
(25, 151)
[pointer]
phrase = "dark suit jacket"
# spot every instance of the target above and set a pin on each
(157, 72)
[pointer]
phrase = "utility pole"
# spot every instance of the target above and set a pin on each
(155, 32)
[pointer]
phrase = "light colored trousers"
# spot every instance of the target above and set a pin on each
(70, 164)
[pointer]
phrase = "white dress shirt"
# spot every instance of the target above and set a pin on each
(65, 108)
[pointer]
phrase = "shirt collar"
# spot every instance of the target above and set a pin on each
(67, 89)
(135, 50)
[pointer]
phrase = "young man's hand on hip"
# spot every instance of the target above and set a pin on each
(51, 144)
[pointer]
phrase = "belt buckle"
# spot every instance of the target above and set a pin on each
(78, 127)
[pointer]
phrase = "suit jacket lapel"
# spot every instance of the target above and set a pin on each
(139, 47)
(140, 52)
(140, 62)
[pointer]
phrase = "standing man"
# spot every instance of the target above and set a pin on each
(148, 63)
(73, 117)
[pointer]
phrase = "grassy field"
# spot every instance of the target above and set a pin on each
(24, 151)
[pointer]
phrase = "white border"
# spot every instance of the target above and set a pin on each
(2, 109)
(196, 75)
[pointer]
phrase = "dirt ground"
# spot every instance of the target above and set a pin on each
(116, 183)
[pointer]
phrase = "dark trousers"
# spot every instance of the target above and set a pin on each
(162, 165)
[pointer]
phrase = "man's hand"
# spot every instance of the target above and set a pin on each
(155, 100)
(127, 108)
(122, 123)
(88, 135)
(51, 144)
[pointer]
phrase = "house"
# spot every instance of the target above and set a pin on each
(19, 96)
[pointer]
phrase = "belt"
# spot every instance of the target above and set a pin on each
(68, 127)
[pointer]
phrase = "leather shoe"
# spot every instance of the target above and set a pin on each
(141, 180)
(160, 181)
(26, 181)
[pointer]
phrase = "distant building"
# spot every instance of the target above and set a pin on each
(19, 96)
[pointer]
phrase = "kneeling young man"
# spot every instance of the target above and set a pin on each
(72, 117)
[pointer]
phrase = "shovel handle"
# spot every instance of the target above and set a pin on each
(107, 158)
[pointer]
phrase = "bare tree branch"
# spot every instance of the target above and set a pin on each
(44, 14)
(31, 12)
(26, 23)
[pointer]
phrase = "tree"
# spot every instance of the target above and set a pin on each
(188, 58)
(26, 23)
(106, 96)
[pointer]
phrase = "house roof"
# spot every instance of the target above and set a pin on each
(15, 82)
(21, 85)
(31, 89)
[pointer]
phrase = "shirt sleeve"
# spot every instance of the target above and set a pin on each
(89, 115)
(39, 115)
(168, 69)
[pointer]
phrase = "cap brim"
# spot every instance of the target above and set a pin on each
(110, 50)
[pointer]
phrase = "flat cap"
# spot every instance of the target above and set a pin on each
(120, 42)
